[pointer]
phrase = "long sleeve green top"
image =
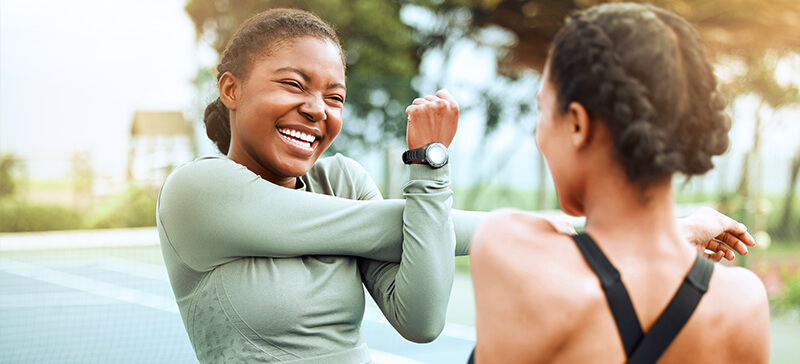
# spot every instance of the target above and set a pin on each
(262, 273)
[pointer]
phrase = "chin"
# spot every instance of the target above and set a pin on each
(299, 171)
(573, 211)
(570, 207)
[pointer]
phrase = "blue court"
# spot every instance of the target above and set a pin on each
(115, 305)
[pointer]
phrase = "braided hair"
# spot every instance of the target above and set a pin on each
(644, 72)
(257, 37)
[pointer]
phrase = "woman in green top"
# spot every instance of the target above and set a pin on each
(263, 270)
(238, 233)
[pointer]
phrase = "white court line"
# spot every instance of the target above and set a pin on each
(382, 357)
(70, 239)
(60, 299)
(146, 299)
(453, 330)
(92, 286)
(130, 267)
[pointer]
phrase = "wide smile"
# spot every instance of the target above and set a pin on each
(302, 140)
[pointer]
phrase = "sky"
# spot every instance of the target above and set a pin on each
(72, 73)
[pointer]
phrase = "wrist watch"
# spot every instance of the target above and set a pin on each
(433, 154)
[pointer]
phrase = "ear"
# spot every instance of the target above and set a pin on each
(229, 90)
(579, 124)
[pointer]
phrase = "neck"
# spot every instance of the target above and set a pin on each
(254, 166)
(618, 212)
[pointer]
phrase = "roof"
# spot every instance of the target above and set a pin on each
(160, 123)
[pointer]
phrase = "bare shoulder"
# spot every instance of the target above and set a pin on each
(736, 305)
(743, 287)
(508, 227)
(528, 285)
(739, 286)
(507, 239)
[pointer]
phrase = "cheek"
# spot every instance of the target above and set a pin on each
(335, 125)
(543, 138)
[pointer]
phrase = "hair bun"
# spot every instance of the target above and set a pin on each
(644, 72)
(218, 125)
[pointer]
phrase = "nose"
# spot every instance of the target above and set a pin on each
(314, 108)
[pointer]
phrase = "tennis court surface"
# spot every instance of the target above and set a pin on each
(99, 302)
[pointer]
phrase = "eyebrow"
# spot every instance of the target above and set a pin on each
(307, 78)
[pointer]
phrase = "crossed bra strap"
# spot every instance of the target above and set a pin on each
(638, 347)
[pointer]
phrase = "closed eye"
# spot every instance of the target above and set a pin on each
(294, 84)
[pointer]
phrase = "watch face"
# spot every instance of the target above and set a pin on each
(436, 155)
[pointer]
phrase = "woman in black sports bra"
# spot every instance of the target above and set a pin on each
(629, 96)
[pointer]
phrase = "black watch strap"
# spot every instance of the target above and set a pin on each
(414, 155)
(433, 154)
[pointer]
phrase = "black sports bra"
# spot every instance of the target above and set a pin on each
(641, 348)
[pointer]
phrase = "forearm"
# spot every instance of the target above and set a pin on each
(413, 294)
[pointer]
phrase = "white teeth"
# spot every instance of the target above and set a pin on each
(298, 134)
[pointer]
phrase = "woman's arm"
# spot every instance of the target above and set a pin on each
(413, 294)
(464, 224)
(214, 210)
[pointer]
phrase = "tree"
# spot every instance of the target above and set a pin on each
(759, 80)
(386, 40)
(732, 30)
(728, 27)
(8, 185)
(381, 52)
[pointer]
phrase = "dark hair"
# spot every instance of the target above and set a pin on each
(257, 37)
(644, 72)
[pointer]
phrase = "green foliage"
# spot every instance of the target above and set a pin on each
(8, 185)
(134, 207)
(728, 28)
(18, 216)
(791, 292)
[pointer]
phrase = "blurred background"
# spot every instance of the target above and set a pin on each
(100, 100)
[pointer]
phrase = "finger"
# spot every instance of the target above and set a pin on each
(420, 101)
(443, 93)
(736, 228)
(719, 250)
(733, 241)
(409, 109)
(712, 256)
(723, 251)
(431, 98)
(718, 255)
(746, 238)
(729, 255)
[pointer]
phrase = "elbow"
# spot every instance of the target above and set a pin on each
(423, 333)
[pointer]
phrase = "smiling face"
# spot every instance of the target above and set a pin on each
(287, 110)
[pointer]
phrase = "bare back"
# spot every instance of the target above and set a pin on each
(537, 300)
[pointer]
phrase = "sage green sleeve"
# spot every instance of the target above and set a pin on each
(465, 223)
(213, 211)
(413, 294)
